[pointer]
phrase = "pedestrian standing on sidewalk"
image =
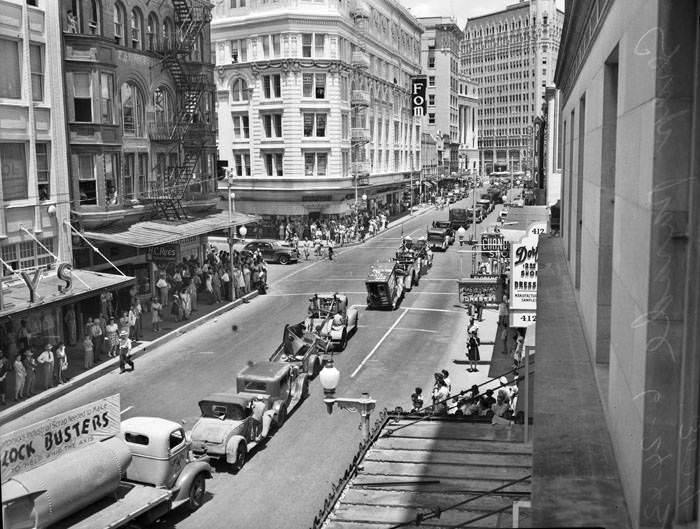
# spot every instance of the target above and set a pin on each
(440, 395)
(417, 400)
(20, 377)
(61, 364)
(45, 361)
(112, 338)
(4, 370)
(30, 368)
(124, 322)
(97, 337)
(473, 352)
(88, 353)
(131, 315)
(162, 286)
(125, 352)
(156, 307)
(330, 250)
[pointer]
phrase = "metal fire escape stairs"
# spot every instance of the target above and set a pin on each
(185, 136)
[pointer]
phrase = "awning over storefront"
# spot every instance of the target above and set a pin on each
(85, 283)
(156, 232)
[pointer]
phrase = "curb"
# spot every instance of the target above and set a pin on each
(88, 376)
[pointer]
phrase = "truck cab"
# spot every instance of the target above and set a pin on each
(385, 286)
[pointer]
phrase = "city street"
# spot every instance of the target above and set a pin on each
(283, 484)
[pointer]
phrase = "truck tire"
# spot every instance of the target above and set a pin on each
(283, 259)
(241, 455)
(198, 489)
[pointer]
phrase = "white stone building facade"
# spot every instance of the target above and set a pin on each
(313, 98)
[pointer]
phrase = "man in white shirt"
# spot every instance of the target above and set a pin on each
(45, 361)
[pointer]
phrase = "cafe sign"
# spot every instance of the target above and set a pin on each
(34, 445)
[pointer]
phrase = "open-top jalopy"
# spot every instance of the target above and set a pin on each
(304, 348)
(235, 422)
(424, 254)
(385, 285)
(331, 318)
(410, 264)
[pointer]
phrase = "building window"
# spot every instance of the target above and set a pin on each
(315, 163)
(345, 126)
(119, 16)
(266, 46)
(273, 164)
(345, 162)
(13, 171)
(36, 60)
(132, 110)
(95, 17)
(43, 171)
(241, 128)
(431, 80)
(82, 97)
(306, 40)
(142, 179)
(239, 90)
(237, 3)
(431, 99)
(431, 119)
(239, 50)
(87, 181)
(111, 172)
(314, 125)
(319, 44)
(276, 46)
(136, 28)
(168, 34)
(11, 80)
(162, 107)
(107, 97)
(272, 87)
(242, 163)
(314, 85)
(129, 171)
(272, 125)
(152, 32)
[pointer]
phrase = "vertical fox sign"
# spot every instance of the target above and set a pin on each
(419, 102)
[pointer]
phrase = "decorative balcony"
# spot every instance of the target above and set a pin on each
(360, 169)
(360, 98)
(360, 135)
(360, 59)
(359, 9)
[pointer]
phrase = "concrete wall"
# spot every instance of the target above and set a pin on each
(656, 52)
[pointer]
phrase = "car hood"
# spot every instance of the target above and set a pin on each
(214, 430)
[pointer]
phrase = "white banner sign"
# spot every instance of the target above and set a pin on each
(44, 441)
(523, 282)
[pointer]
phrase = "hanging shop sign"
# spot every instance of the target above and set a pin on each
(419, 101)
(164, 252)
(478, 290)
(63, 272)
(494, 243)
(44, 441)
(523, 281)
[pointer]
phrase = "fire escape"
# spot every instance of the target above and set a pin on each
(186, 132)
(360, 100)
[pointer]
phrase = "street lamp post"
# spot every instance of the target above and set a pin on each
(363, 405)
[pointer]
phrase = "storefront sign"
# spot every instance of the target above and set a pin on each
(166, 252)
(524, 263)
(44, 441)
(63, 272)
(482, 290)
(494, 243)
(419, 102)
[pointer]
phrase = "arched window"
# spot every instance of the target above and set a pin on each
(162, 106)
(95, 21)
(119, 18)
(136, 29)
(132, 110)
(239, 90)
(152, 32)
(168, 34)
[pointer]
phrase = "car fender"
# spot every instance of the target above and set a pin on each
(296, 390)
(232, 447)
(352, 318)
(187, 475)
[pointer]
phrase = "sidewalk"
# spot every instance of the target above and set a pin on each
(80, 377)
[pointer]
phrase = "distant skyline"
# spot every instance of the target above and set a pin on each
(459, 9)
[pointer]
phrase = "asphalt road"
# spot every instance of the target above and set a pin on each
(283, 484)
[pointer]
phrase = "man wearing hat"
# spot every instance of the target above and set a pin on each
(125, 351)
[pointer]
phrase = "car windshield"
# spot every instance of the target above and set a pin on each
(223, 410)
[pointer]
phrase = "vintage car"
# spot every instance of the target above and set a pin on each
(385, 286)
(227, 429)
(438, 239)
(274, 251)
(410, 264)
(305, 349)
(423, 251)
(445, 224)
(331, 318)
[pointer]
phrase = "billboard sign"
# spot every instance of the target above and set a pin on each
(478, 290)
(44, 441)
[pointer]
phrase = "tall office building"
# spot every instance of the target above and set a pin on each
(314, 105)
(511, 54)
